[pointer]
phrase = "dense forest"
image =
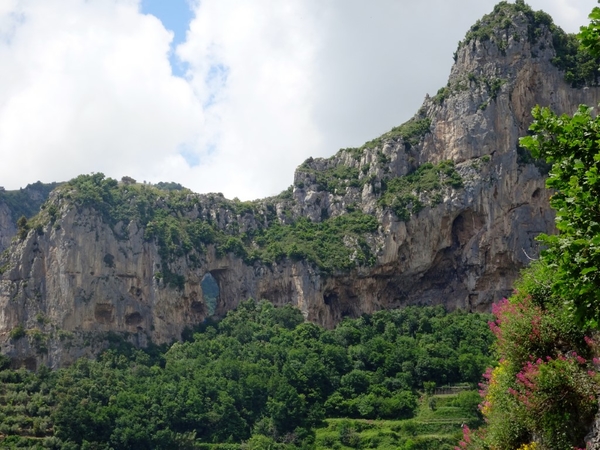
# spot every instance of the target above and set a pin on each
(260, 375)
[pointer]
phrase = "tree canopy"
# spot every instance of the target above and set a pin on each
(261, 373)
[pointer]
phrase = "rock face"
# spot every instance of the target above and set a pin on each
(76, 278)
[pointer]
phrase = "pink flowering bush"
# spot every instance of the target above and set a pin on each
(543, 392)
(472, 439)
(526, 331)
(559, 399)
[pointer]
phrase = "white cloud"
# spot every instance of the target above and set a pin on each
(569, 14)
(260, 118)
(86, 85)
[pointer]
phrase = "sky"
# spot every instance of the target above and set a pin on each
(219, 95)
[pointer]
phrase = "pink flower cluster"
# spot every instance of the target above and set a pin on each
(466, 440)
(526, 378)
(506, 311)
(485, 385)
(472, 439)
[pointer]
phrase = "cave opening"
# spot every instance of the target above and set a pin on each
(330, 298)
(210, 292)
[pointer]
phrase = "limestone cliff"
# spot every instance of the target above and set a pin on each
(443, 209)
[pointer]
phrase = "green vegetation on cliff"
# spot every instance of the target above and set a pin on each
(261, 375)
(501, 20)
(543, 394)
(411, 132)
(26, 202)
(184, 224)
(322, 243)
(334, 180)
(581, 68)
(410, 194)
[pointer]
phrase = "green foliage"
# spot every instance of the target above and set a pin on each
(438, 430)
(410, 194)
(571, 144)
(590, 34)
(26, 202)
(491, 85)
(288, 194)
(38, 339)
(335, 179)
(524, 156)
(334, 244)
(169, 186)
(168, 218)
(429, 387)
(259, 378)
(560, 420)
(17, 332)
(411, 132)
(580, 66)
(588, 53)
(500, 21)
(442, 94)
(494, 86)
(467, 401)
(22, 228)
(25, 406)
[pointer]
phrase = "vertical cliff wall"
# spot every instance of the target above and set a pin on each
(441, 210)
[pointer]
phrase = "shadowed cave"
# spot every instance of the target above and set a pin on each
(210, 293)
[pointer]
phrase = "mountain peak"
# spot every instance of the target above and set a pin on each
(514, 31)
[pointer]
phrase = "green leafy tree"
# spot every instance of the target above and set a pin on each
(22, 227)
(261, 376)
(572, 145)
(589, 36)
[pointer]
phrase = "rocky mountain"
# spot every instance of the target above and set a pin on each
(23, 202)
(443, 209)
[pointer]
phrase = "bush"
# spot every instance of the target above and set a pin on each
(17, 332)
(545, 384)
(409, 194)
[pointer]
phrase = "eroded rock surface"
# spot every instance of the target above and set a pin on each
(78, 277)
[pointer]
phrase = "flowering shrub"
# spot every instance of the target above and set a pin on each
(527, 331)
(559, 398)
(542, 393)
(473, 440)
(504, 413)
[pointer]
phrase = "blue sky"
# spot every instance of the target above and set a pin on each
(175, 16)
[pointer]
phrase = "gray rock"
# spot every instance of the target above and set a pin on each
(81, 278)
